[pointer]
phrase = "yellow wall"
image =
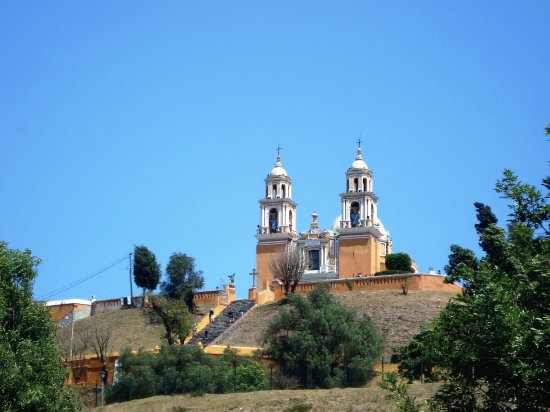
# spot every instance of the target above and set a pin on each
(358, 255)
(264, 255)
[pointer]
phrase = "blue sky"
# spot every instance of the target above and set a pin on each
(155, 123)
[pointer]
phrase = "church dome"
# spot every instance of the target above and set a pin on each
(278, 170)
(359, 163)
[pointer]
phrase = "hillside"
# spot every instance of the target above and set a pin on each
(129, 329)
(370, 398)
(398, 317)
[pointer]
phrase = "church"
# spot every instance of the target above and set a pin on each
(355, 246)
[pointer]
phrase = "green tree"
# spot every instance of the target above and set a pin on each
(182, 279)
(485, 217)
(31, 373)
(399, 261)
(172, 314)
(493, 342)
(462, 264)
(243, 374)
(146, 269)
(322, 342)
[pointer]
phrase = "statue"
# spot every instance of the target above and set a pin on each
(354, 216)
(273, 222)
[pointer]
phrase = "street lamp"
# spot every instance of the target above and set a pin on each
(103, 380)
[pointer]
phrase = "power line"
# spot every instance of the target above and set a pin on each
(84, 279)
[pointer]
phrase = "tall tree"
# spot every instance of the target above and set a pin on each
(31, 373)
(493, 342)
(146, 268)
(182, 279)
(289, 267)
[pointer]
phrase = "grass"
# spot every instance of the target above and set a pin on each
(130, 329)
(370, 398)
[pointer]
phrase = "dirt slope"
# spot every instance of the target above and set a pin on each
(397, 316)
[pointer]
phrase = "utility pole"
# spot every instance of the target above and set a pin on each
(130, 270)
(72, 333)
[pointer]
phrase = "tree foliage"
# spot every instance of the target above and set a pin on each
(289, 267)
(184, 369)
(172, 314)
(182, 279)
(322, 342)
(485, 217)
(146, 268)
(399, 261)
(493, 342)
(31, 373)
(462, 264)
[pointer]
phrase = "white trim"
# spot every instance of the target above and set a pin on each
(69, 302)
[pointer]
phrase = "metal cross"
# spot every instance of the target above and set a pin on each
(278, 150)
(359, 141)
(254, 274)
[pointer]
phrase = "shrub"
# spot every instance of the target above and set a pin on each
(399, 261)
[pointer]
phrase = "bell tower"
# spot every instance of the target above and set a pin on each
(277, 226)
(360, 234)
(359, 203)
(277, 209)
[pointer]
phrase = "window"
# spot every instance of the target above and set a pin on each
(365, 188)
(274, 191)
(283, 191)
(313, 259)
(356, 184)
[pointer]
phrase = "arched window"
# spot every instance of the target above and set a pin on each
(356, 184)
(372, 213)
(274, 190)
(290, 220)
(283, 191)
(347, 185)
(354, 214)
(273, 221)
(365, 188)
(266, 192)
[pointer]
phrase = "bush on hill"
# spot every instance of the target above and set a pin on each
(322, 342)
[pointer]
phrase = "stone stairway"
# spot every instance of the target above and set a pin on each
(222, 322)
